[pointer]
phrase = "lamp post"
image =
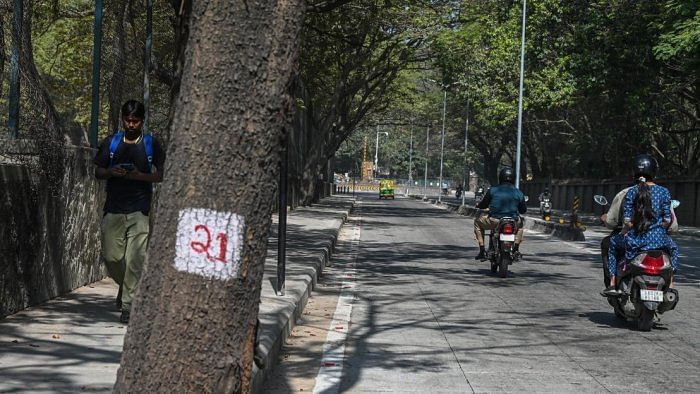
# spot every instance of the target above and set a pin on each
(442, 145)
(520, 99)
(427, 152)
(376, 151)
(410, 157)
(466, 170)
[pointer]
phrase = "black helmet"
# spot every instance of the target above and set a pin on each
(645, 166)
(506, 175)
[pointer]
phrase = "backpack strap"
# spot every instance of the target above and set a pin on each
(148, 145)
(116, 139)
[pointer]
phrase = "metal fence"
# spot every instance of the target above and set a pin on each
(563, 193)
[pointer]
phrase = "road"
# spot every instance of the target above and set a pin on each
(427, 317)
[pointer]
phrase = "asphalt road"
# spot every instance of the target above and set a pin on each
(427, 317)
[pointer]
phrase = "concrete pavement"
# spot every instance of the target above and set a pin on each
(73, 343)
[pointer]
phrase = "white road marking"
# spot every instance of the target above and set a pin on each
(330, 374)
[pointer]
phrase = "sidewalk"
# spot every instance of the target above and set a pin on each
(73, 343)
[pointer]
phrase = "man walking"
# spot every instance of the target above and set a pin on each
(131, 162)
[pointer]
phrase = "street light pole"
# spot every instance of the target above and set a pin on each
(466, 170)
(520, 99)
(442, 147)
(376, 151)
(427, 152)
(410, 157)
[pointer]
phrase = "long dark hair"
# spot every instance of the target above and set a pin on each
(643, 211)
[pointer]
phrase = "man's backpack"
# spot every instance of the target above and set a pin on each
(147, 144)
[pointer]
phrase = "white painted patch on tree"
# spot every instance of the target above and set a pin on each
(209, 243)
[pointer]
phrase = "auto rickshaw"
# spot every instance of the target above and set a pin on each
(386, 188)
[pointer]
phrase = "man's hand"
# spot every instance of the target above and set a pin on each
(604, 218)
(117, 172)
(134, 174)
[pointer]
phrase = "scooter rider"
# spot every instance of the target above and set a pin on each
(504, 200)
(613, 220)
(647, 219)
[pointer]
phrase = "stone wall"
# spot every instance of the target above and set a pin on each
(49, 240)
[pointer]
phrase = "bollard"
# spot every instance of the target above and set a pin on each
(574, 214)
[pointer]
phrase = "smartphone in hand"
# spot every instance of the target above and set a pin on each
(128, 167)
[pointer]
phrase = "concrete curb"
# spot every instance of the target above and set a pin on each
(278, 314)
(560, 231)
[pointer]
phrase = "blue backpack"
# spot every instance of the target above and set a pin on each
(147, 144)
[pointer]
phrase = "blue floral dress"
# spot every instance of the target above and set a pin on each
(654, 238)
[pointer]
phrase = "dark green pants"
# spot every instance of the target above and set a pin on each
(124, 244)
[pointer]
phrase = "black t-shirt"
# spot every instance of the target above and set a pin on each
(128, 195)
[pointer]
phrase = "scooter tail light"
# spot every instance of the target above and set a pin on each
(507, 229)
(653, 265)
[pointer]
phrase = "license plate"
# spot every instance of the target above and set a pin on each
(507, 237)
(651, 295)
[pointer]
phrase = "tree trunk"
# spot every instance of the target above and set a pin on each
(48, 121)
(193, 321)
(2, 51)
(116, 84)
(491, 168)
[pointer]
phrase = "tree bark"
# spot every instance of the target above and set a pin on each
(2, 50)
(49, 122)
(190, 332)
(116, 84)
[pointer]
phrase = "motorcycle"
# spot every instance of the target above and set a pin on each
(644, 284)
(501, 251)
(546, 208)
(479, 194)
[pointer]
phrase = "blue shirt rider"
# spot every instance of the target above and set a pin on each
(504, 200)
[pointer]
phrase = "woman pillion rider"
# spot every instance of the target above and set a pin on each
(647, 216)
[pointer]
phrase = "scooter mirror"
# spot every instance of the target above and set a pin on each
(675, 204)
(600, 200)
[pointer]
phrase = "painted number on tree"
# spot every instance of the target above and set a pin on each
(209, 243)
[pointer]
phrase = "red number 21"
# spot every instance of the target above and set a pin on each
(203, 247)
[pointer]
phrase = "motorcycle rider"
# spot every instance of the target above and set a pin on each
(544, 196)
(613, 220)
(459, 191)
(504, 200)
(647, 217)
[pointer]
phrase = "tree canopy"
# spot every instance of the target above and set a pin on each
(604, 80)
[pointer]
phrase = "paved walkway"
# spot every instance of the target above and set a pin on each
(73, 343)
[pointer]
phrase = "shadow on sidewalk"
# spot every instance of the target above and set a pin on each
(66, 345)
